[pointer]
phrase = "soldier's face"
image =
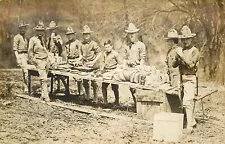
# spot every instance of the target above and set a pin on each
(132, 36)
(87, 36)
(108, 48)
(22, 30)
(186, 42)
(40, 33)
(70, 36)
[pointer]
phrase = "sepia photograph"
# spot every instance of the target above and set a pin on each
(112, 72)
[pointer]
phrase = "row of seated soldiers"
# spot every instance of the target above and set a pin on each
(180, 59)
(38, 52)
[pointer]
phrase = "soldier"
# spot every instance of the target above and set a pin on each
(187, 59)
(72, 46)
(135, 52)
(38, 55)
(54, 46)
(173, 73)
(90, 54)
(73, 51)
(110, 62)
(20, 47)
(54, 43)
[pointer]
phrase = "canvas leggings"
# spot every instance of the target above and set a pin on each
(42, 67)
(115, 89)
(87, 89)
(189, 91)
(23, 59)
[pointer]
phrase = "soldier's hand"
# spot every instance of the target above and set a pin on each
(179, 52)
(19, 62)
(90, 64)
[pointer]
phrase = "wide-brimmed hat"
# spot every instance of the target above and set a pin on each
(22, 24)
(86, 29)
(69, 30)
(186, 33)
(131, 28)
(52, 25)
(172, 33)
(40, 26)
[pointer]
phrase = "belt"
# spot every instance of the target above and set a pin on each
(72, 58)
(108, 69)
(23, 52)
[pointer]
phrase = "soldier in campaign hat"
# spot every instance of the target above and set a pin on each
(73, 52)
(134, 52)
(188, 59)
(38, 55)
(20, 48)
(90, 52)
(173, 73)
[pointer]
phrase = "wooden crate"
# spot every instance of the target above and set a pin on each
(150, 102)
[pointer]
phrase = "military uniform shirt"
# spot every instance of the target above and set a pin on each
(55, 47)
(89, 50)
(135, 52)
(188, 65)
(111, 60)
(171, 60)
(20, 44)
(37, 48)
(73, 48)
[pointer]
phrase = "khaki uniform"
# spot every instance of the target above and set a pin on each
(188, 69)
(89, 51)
(55, 47)
(73, 53)
(73, 49)
(171, 61)
(38, 55)
(134, 53)
(20, 44)
(110, 62)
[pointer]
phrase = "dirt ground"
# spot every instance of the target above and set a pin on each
(27, 121)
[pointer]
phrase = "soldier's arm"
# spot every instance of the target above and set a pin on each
(191, 61)
(31, 50)
(103, 64)
(15, 47)
(125, 57)
(97, 51)
(142, 54)
(118, 59)
(80, 51)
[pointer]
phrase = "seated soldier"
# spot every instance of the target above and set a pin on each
(110, 62)
(73, 50)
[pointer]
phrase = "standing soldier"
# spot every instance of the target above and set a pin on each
(54, 46)
(110, 62)
(135, 52)
(90, 54)
(73, 51)
(173, 73)
(54, 43)
(20, 47)
(38, 55)
(188, 59)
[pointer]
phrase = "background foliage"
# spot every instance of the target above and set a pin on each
(108, 19)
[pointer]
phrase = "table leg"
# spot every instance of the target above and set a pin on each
(68, 86)
(52, 84)
(29, 83)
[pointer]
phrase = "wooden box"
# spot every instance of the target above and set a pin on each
(168, 127)
(150, 102)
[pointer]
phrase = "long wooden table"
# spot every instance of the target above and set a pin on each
(54, 74)
(66, 75)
